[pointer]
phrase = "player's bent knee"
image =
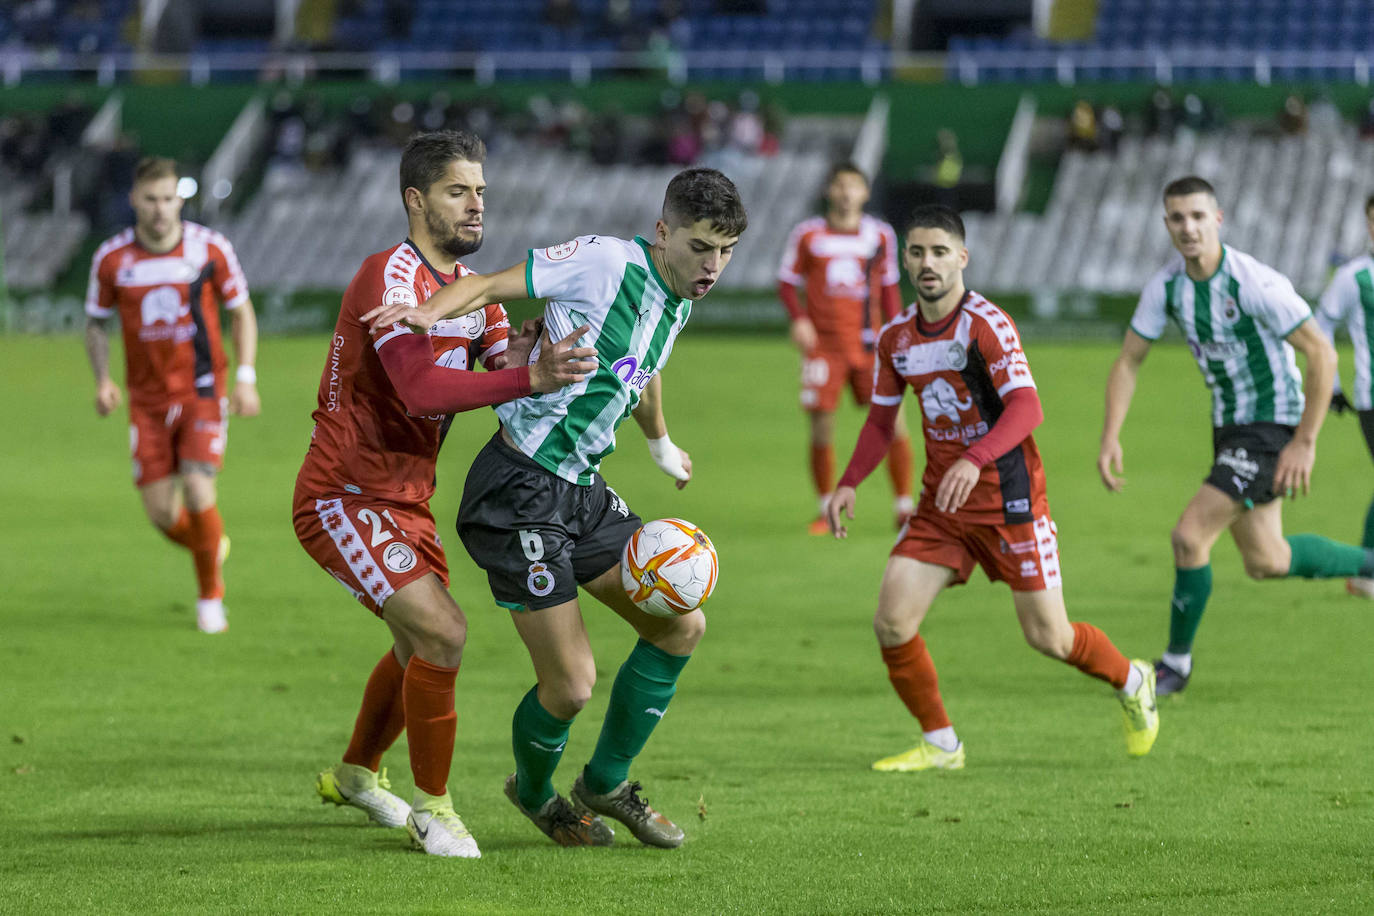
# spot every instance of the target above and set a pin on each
(1264, 568)
(893, 631)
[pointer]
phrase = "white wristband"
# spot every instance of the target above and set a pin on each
(667, 457)
(246, 375)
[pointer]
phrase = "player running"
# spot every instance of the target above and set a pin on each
(539, 518)
(361, 502)
(847, 263)
(983, 500)
(1242, 320)
(1349, 300)
(163, 277)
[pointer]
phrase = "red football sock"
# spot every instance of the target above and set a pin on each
(912, 673)
(382, 717)
(180, 532)
(823, 468)
(899, 466)
(206, 530)
(1094, 654)
(432, 722)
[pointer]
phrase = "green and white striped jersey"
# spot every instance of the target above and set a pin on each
(1235, 324)
(612, 285)
(1349, 300)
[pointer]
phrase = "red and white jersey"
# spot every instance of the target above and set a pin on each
(961, 369)
(364, 441)
(166, 307)
(843, 274)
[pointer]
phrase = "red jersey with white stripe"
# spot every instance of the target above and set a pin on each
(364, 440)
(843, 274)
(166, 307)
(961, 369)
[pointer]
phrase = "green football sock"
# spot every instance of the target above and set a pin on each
(537, 736)
(1368, 541)
(645, 684)
(1317, 557)
(1192, 587)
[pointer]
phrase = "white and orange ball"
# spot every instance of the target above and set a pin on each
(669, 567)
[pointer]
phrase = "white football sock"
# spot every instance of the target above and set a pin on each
(1133, 682)
(1182, 663)
(943, 738)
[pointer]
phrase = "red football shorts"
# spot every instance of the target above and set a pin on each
(1025, 556)
(191, 431)
(825, 374)
(370, 546)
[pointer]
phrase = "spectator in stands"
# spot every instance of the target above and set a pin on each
(1110, 126)
(1082, 127)
(949, 168)
(1162, 116)
(1367, 121)
(1293, 115)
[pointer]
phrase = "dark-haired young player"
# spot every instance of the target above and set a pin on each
(845, 263)
(361, 506)
(983, 500)
(1242, 320)
(539, 518)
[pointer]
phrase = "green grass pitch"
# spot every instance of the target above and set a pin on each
(145, 767)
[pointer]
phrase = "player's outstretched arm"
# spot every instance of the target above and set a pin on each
(428, 389)
(1120, 390)
(1293, 471)
(107, 393)
(463, 295)
(840, 507)
(243, 330)
(671, 460)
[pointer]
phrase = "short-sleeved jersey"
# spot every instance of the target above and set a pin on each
(843, 274)
(612, 285)
(364, 441)
(961, 369)
(167, 309)
(1349, 300)
(1235, 324)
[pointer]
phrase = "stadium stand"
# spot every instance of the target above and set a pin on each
(1287, 200)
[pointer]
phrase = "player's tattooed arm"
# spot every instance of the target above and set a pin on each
(1120, 389)
(107, 393)
(462, 296)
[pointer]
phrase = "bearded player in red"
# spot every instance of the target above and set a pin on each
(165, 278)
(983, 500)
(361, 502)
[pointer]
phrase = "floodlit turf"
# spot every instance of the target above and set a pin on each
(147, 767)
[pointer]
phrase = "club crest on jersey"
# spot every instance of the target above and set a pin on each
(1230, 310)
(561, 252)
(400, 295)
(398, 557)
(540, 581)
(939, 399)
(957, 356)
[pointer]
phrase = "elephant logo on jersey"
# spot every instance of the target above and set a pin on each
(844, 274)
(939, 399)
(163, 304)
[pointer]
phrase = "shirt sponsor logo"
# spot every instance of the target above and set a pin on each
(939, 399)
(1217, 349)
(561, 252)
(335, 357)
(627, 369)
(967, 434)
(156, 270)
(1007, 360)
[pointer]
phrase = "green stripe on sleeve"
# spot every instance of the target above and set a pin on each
(529, 275)
(1366, 284)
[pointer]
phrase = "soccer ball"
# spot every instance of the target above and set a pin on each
(669, 567)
